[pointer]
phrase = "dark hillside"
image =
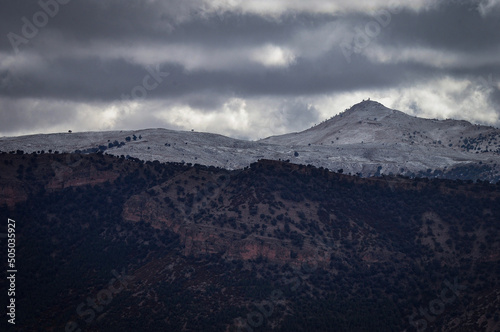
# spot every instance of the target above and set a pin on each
(109, 244)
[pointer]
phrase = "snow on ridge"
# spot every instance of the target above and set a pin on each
(370, 121)
(367, 138)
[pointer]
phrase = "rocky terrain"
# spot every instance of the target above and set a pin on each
(113, 244)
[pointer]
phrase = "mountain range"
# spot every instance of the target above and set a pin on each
(155, 230)
(368, 139)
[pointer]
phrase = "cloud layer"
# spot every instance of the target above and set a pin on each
(247, 69)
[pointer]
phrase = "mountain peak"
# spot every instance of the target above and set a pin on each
(365, 110)
(367, 102)
(367, 106)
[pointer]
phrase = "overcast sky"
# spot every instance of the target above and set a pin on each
(242, 68)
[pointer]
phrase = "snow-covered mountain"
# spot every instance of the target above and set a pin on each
(372, 122)
(368, 139)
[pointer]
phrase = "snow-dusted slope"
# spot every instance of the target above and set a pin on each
(372, 122)
(149, 144)
(368, 139)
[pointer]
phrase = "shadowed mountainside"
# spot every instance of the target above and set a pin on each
(274, 246)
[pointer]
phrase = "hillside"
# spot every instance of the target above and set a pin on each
(274, 246)
(368, 139)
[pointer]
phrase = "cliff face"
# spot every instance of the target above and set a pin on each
(65, 176)
(23, 175)
(214, 213)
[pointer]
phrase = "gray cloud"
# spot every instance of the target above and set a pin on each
(242, 60)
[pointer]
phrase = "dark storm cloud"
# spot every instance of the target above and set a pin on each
(85, 21)
(139, 21)
(455, 26)
(93, 80)
(93, 52)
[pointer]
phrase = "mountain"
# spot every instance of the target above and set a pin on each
(368, 139)
(371, 122)
(160, 230)
(371, 136)
(109, 244)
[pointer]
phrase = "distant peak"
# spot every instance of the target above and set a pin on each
(365, 104)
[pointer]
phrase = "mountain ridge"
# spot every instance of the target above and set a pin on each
(367, 139)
